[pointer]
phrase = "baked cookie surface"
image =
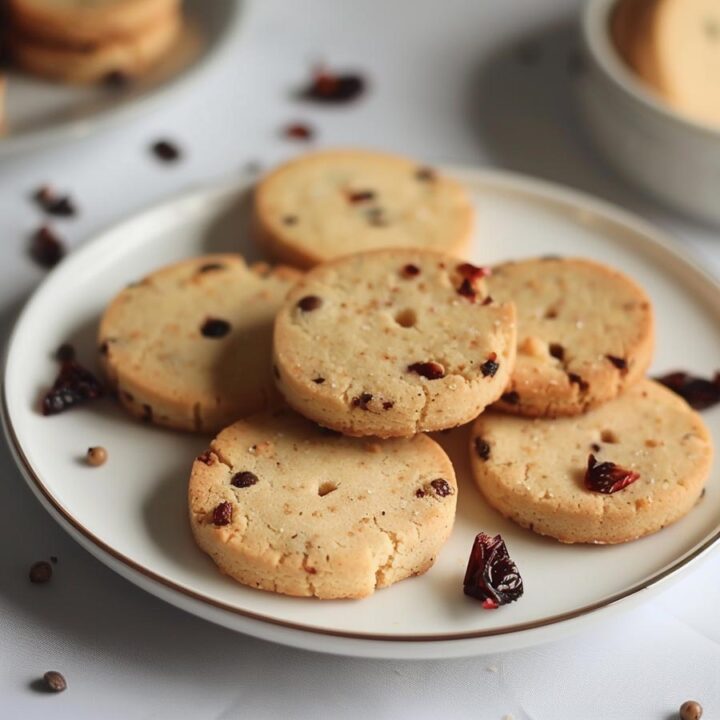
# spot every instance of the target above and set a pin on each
(189, 347)
(129, 57)
(280, 504)
(585, 333)
(393, 342)
(533, 470)
(336, 202)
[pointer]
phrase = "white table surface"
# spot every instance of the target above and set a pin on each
(447, 86)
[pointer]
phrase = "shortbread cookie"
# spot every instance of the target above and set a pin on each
(585, 333)
(281, 504)
(78, 22)
(393, 342)
(534, 470)
(674, 46)
(128, 57)
(332, 203)
(189, 346)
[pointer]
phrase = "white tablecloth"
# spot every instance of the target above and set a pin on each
(449, 85)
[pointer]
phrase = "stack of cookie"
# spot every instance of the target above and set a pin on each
(80, 42)
(330, 487)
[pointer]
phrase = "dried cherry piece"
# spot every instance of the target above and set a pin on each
(442, 487)
(166, 151)
(618, 362)
(222, 514)
(473, 272)
(388, 405)
(74, 385)
(557, 351)
(361, 401)
(361, 196)
(47, 248)
(54, 204)
(490, 366)
(482, 448)
(698, 392)
(491, 574)
(299, 131)
(575, 379)
(467, 290)
(410, 271)
(244, 479)
(607, 477)
(215, 328)
(431, 370)
(331, 87)
(309, 303)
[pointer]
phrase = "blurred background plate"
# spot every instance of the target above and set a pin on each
(40, 113)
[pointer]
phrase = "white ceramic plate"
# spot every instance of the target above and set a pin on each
(131, 513)
(40, 113)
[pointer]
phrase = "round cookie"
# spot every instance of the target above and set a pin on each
(189, 346)
(129, 57)
(282, 505)
(332, 203)
(393, 342)
(533, 470)
(585, 333)
(78, 22)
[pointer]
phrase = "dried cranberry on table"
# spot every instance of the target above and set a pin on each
(74, 385)
(698, 392)
(299, 131)
(47, 249)
(333, 87)
(166, 151)
(607, 477)
(491, 574)
(54, 681)
(40, 572)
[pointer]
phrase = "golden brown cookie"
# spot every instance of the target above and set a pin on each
(189, 346)
(280, 504)
(585, 333)
(336, 202)
(535, 471)
(393, 342)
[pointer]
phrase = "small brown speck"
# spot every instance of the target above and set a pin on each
(511, 398)
(96, 456)
(361, 401)
(40, 572)
(309, 303)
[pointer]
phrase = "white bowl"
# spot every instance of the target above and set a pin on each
(672, 157)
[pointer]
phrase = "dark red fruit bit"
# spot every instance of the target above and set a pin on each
(426, 174)
(467, 290)
(166, 151)
(50, 202)
(388, 405)
(441, 487)
(211, 267)
(618, 362)
(299, 131)
(491, 575)
(482, 448)
(309, 303)
(330, 87)
(420, 493)
(410, 271)
(557, 351)
(511, 398)
(607, 477)
(65, 353)
(54, 681)
(319, 380)
(595, 447)
(222, 514)
(40, 572)
(575, 379)
(430, 370)
(360, 196)
(490, 366)
(361, 401)
(215, 328)
(473, 272)
(205, 457)
(698, 392)
(487, 300)
(244, 479)
(74, 385)
(47, 248)
(116, 80)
